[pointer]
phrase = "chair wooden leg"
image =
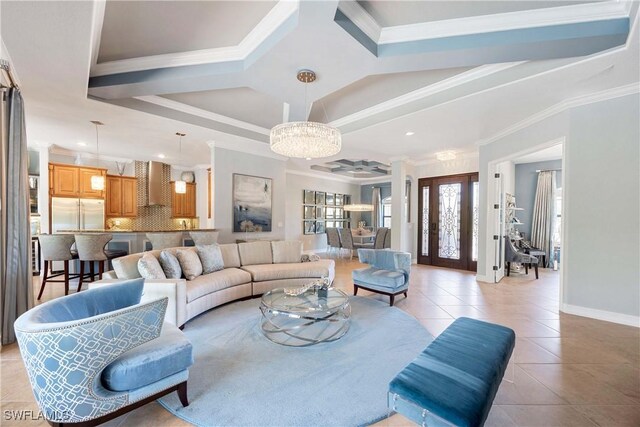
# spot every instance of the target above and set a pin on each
(66, 277)
(508, 268)
(81, 276)
(355, 289)
(536, 268)
(526, 268)
(44, 278)
(182, 394)
(392, 298)
(91, 270)
(100, 269)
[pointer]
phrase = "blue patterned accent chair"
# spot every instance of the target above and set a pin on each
(388, 273)
(95, 355)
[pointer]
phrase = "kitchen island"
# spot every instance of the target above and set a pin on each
(136, 241)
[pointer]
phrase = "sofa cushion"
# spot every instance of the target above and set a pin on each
(218, 280)
(126, 267)
(230, 255)
(299, 270)
(255, 253)
(149, 267)
(286, 251)
(166, 355)
(376, 277)
(210, 257)
(170, 265)
(190, 263)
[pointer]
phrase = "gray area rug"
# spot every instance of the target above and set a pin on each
(240, 378)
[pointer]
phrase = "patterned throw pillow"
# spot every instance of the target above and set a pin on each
(150, 268)
(190, 263)
(170, 265)
(211, 258)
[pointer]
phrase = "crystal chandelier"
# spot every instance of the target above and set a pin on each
(305, 140)
(180, 186)
(97, 181)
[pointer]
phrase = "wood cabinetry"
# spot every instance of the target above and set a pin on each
(74, 181)
(122, 196)
(183, 205)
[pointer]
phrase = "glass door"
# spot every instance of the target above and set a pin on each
(449, 227)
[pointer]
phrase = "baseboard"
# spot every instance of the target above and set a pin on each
(485, 279)
(608, 316)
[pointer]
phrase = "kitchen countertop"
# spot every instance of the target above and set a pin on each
(135, 231)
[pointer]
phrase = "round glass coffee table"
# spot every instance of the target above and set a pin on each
(302, 320)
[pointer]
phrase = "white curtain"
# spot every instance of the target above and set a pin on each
(542, 226)
(376, 214)
(16, 294)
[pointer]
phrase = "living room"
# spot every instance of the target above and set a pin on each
(180, 120)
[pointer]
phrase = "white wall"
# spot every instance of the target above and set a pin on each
(227, 162)
(296, 184)
(466, 164)
(601, 245)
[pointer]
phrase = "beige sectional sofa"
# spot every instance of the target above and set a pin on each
(250, 269)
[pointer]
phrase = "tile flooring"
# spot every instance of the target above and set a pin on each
(569, 370)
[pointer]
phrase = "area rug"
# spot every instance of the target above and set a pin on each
(240, 378)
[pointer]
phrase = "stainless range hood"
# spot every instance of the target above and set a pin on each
(155, 187)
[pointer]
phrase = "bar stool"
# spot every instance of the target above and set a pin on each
(91, 248)
(204, 237)
(56, 247)
(165, 240)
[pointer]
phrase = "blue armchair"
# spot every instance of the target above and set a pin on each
(95, 355)
(388, 273)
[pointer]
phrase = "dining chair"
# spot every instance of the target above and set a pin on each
(387, 239)
(346, 241)
(333, 239)
(56, 247)
(381, 235)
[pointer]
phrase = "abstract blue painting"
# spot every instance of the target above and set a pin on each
(251, 203)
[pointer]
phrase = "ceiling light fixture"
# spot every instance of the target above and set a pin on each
(305, 140)
(358, 208)
(82, 144)
(161, 156)
(410, 133)
(97, 181)
(443, 156)
(180, 186)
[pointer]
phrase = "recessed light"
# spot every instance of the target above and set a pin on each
(410, 133)
(308, 158)
(162, 156)
(82, 144)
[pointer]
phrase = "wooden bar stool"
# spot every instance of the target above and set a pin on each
(91, 248)
(56, 247)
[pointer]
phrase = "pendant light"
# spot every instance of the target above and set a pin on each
(180, 186)
(97, 181)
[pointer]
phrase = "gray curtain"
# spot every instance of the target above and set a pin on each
(16, 295)
(542, 225)
(376, 214)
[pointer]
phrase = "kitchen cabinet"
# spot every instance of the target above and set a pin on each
(74, 181)
(183, 205)
(122, 196)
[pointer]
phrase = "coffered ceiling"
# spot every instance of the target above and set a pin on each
(452, 72)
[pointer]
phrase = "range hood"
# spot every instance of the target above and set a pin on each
(155, 186)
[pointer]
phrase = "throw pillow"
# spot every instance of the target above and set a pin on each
(211, 258)
(170, 265)
(190, 263)
(150, 268)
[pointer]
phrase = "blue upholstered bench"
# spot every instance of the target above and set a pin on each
(455, 379)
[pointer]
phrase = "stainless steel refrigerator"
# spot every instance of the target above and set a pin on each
(76, 214)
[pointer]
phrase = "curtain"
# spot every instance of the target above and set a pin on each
(542, 226)
(376, 214)
(16, 295)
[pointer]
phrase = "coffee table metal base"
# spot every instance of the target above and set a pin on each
(298, 330)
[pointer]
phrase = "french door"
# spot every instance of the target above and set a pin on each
(448, 227)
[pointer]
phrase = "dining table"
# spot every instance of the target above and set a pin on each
(362, 236)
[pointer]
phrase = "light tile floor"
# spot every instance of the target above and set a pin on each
(569, 370)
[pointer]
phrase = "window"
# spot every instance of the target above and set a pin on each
(386, 212)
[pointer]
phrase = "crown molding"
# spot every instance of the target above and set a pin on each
(562, 15)
(560, 107)
(345, 180)
(199, 112)
(419, 94)
(361, 18)
(278, 15)
(56, 149)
